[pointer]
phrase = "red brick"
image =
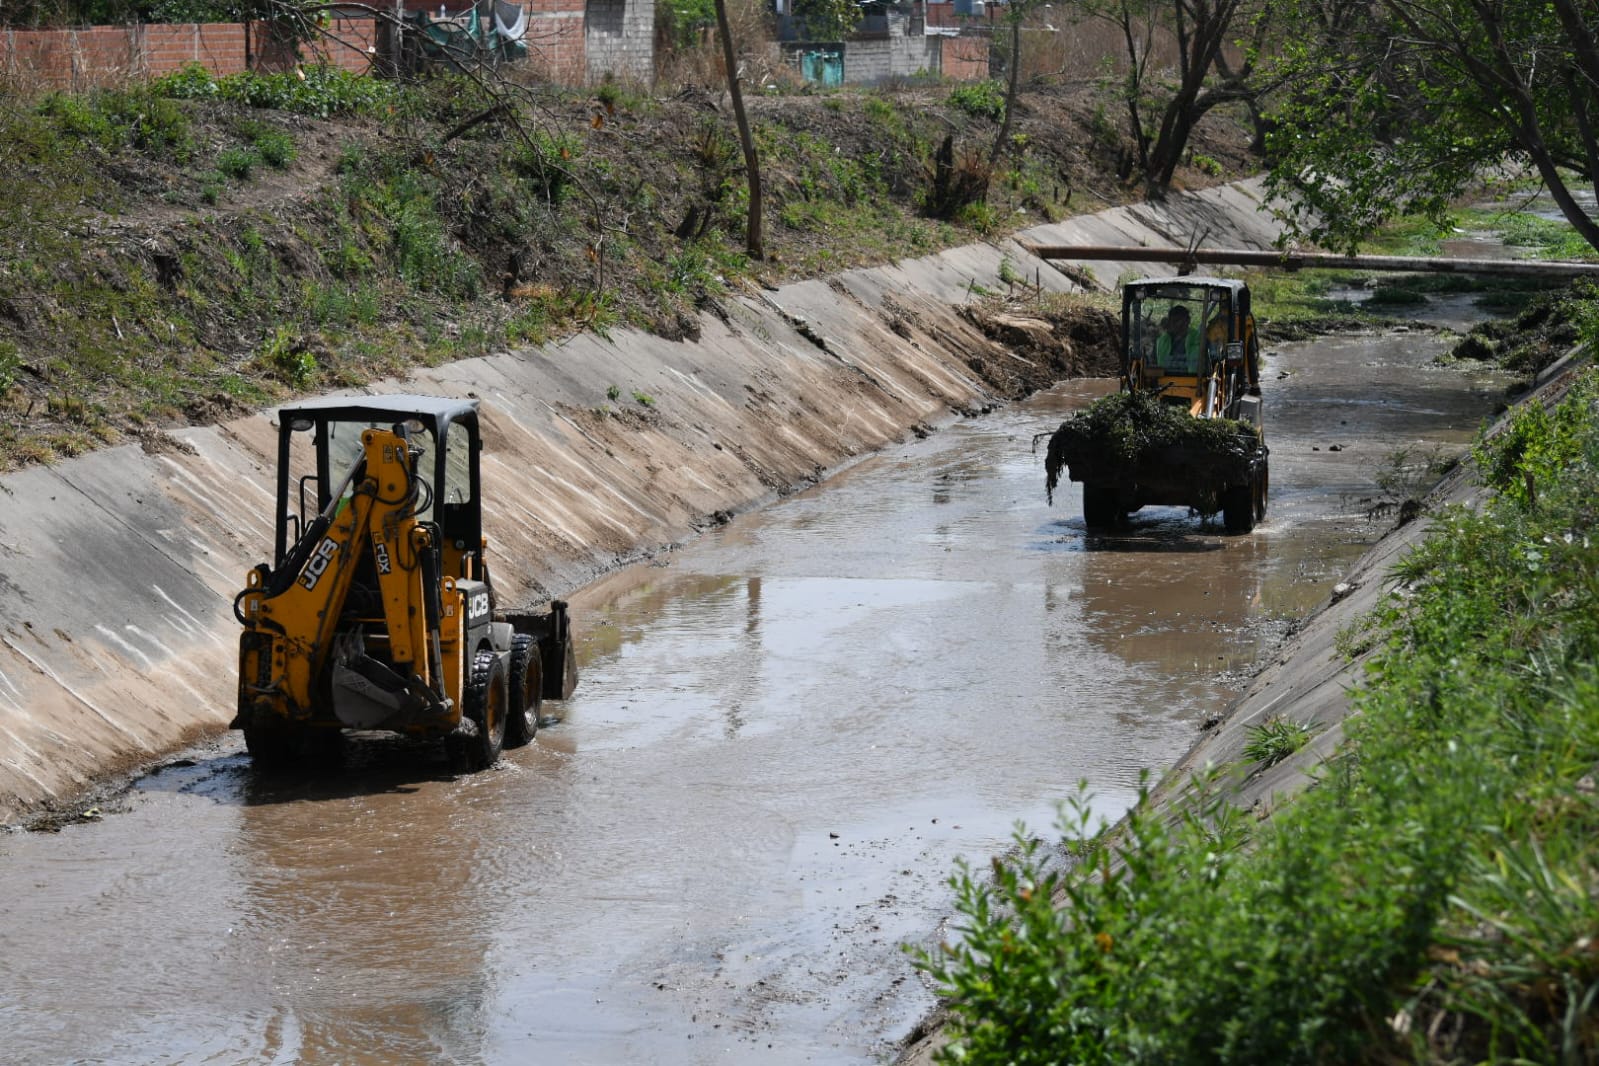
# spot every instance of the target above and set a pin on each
(104, 53)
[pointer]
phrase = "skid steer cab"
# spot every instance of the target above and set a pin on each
(1190, 342)
(377, 612)
(1193, 339)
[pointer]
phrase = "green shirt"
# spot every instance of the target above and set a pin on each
(1187, 360)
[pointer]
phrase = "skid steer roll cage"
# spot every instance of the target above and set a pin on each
(1229, 355)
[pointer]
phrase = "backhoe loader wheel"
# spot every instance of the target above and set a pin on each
(1262, 491)
(487, 698)
(527, 691)
(271, 744)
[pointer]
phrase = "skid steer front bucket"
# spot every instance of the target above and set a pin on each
(557, 657)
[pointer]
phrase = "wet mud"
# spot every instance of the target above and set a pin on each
(787, 734)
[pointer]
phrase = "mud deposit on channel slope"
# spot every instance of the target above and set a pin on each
(786, 735)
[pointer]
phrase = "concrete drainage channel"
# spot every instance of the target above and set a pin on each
(714, 860)
(117, 570)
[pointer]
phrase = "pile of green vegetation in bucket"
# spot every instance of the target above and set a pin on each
(1135, 436)
(1434, 898)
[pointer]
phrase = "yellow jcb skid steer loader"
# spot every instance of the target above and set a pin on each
(378, 612)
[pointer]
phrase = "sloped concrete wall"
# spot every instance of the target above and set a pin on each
(118, 569)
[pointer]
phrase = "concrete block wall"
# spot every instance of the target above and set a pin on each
(621, 39)
(873, 61)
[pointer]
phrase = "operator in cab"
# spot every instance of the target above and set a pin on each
(1179, 346)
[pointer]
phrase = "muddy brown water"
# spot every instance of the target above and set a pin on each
(786, 735)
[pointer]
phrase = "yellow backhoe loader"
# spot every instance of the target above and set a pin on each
(377, 612)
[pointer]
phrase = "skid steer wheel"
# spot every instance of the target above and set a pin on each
(487, 697)
(1238, 508)
(527, 691)
(1099, 507)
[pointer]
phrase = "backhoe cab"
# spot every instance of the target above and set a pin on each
(377, 612)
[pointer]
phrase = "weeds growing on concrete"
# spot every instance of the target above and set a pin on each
(1275, 739)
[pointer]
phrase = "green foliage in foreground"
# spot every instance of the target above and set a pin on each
(1434, 899)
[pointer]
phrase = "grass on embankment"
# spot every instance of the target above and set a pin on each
(177, 251)
(1434, 898)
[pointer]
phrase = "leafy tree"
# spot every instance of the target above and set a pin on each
(827, 20)
(686, 19)
(1400, 106)
(116, 12)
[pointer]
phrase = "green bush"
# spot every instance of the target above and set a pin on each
(1536, 448)
(323, 91)
(237, 163)
(1275, 739)
(275, 147)
(189, 82)
(140, 118)
(75, 116)
(684, 20)
(980, 99)
(156, 126)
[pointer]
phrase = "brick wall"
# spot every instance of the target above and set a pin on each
(556, 45)
(107, 55)
(963, 58)
(570, 41)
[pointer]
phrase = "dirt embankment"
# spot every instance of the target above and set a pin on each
(117, 641)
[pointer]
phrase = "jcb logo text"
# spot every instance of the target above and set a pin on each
(319, 562)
